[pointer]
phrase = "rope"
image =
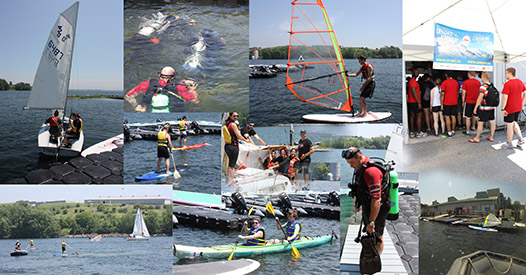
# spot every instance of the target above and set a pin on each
(492, 265)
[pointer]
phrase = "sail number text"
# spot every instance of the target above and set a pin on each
(54, 53)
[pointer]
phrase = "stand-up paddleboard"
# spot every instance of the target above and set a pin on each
(197, 199)
(347, 118)
(105, 146)
(482, 228)
(153, 176)
(195, 146)
(62, 255)
(241, 266)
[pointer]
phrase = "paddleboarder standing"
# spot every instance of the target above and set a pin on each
(64, 246)
(183, 124)
(163, 140)
(367, 89)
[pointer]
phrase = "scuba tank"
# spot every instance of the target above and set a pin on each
(393, 195)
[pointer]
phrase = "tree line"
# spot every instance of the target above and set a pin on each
(380, 142)
(281, 52)
(21, 220)
(20, 86)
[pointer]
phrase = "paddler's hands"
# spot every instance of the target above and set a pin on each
(131, 100)
(241, 237)
(140, 109)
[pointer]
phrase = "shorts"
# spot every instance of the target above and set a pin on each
(486, 115)
(512, 117)
(459, 105)
(450, 110)
(468, 109)
(379, 223)
(368, 91)
(413, 107)
(435, 109)
(183, 133)
(304, 167)
(232, 151)
(162, 152)
(426, 104)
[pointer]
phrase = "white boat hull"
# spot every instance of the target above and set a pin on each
(47, 147)
(138, 239)
(105, 146)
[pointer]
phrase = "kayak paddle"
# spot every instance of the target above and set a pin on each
(295, 252)
(176, 174)
(237, 241)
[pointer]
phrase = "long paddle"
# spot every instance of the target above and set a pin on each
(295, 252)
(176, 173)
(237, 241)
(72, 249)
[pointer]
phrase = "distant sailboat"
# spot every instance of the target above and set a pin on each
(140, 231)
(50, 88)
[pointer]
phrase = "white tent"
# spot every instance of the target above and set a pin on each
(502, 17)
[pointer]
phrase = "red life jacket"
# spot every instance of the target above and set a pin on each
(292, 170)
(269, 163)
(53, 122)
(363, 70)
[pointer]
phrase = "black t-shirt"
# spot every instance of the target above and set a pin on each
(284, 166)
(245, 131)
(303, 148)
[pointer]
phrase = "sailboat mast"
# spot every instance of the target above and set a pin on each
(74, 24)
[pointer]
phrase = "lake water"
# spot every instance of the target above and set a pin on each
(223, 74)
(203, 170)
(440, 244)
(271, 102)
(101, 116)
(109, 256)
(316, 260)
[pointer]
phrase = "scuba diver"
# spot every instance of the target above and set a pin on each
(163, 95)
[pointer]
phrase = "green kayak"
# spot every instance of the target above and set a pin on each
(223, 251)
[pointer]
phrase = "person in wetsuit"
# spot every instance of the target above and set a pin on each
(367, 89)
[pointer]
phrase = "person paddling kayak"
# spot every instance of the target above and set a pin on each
(292, 227)
(256, 235)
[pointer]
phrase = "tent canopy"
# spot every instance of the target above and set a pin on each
(502, 17)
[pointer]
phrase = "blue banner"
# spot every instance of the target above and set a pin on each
(462, 50)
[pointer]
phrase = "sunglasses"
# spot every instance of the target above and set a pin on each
(348, 154)
(166, 76)
(235, 115)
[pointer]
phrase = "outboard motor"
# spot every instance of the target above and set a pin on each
(126, 132)
(194, 125)
(239, 204)
(334, 198)
(284, 202)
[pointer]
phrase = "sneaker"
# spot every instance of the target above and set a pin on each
(423, 134)
(450, 135)
(419, 135)
(444, 135)
(520, 142)
(507, 146)
(412, 135)
(467, 133)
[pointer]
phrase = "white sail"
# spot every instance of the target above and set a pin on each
(50, 88)
(139, 228)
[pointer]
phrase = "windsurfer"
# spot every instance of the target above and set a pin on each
(164, 94)
(367, 89)
(75, 127)
(55, 124)
(248, 132)
(163, 140)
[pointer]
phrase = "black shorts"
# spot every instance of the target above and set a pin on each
(232, 151)
(413, 107)
(468, 109)
(162, 152)
(512, 117)
(379, 223)
(486, 115)
(183, 133)
(450, 110)
(426, 104)
(368, 91)
(435, 109)
(304, 167)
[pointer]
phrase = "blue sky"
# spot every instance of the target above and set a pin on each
(371, 24)
(14, 193)
(98, 52)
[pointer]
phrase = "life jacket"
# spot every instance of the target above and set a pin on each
(80, 128)
(292, 170)
(269, 163)
(161, 100)
(363, 70)
(289, 229)
(161, 139)
(258, 241)
(53, 122)
(182, 125)
(363, 196)
(228, 134)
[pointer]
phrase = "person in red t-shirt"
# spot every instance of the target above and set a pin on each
(186, 89)
(374, 210)
(449, 99)
(414, 105)
(513, 99)
(470, 94)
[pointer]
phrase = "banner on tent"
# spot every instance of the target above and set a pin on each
(462, 50)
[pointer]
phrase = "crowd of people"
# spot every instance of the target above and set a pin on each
(442, 104)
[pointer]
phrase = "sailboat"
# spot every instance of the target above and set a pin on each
(50, 88)
(140, 231)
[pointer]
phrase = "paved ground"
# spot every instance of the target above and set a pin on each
(456, 155)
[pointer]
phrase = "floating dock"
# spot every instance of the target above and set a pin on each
(313, 209)
(208, 218)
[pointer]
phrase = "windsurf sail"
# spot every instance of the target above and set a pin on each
(320, 77)
(96, 238)
(491, 220)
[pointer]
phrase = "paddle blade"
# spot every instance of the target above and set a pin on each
(250, 211)
(232, 254)
(269, 208)
(176, 174)
(295, 252)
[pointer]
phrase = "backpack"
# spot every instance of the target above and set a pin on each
(226, 134)
(492, 98)
(427, 94)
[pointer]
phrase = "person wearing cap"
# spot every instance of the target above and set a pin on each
(164, 94)
(370, 193)
(256, 235)
(163, 141)
(305, 149)
(248, 132)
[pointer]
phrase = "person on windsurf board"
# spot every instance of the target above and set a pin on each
(367, 89)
